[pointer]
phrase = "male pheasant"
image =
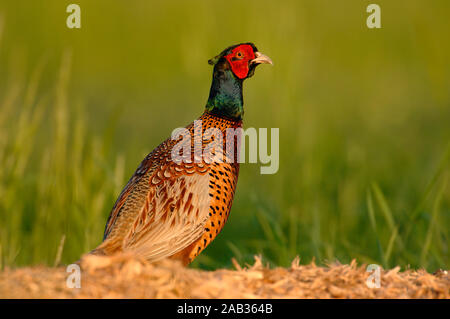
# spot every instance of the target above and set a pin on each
(172, 208)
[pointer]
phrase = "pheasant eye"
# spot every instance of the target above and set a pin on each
(239, 54)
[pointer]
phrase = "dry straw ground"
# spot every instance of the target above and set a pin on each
(124, 277)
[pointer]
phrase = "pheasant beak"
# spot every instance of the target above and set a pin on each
(261, 58)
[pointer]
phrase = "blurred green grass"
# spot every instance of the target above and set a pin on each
(363, 115)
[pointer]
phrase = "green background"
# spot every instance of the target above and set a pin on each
(363, 115)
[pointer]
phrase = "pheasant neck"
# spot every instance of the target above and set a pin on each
(225, 96)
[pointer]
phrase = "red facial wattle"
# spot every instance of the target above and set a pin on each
(239, 60)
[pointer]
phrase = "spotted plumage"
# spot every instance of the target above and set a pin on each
(175, 208)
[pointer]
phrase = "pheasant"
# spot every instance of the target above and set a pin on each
(174, 209)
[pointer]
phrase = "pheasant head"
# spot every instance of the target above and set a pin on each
(231, 67)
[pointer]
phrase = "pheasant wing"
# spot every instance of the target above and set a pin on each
(161, 211)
